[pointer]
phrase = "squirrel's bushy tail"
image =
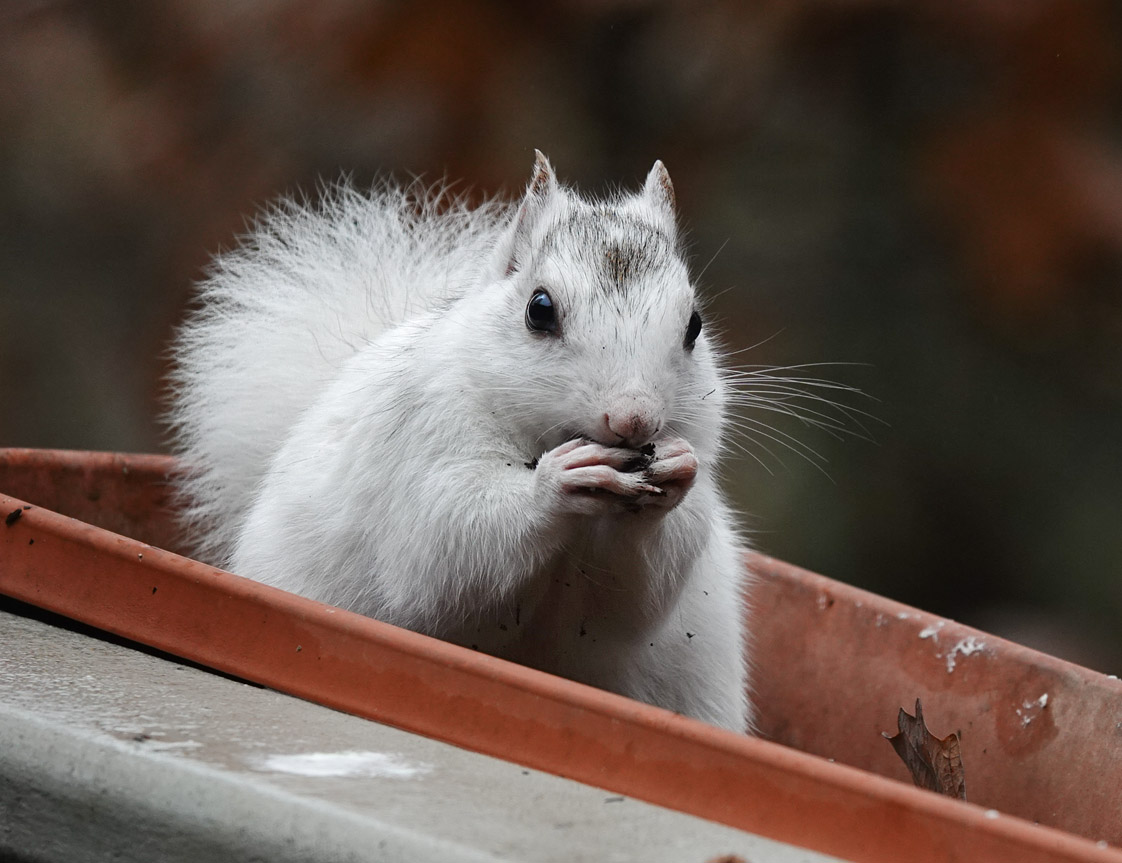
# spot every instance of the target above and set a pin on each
(277, 317)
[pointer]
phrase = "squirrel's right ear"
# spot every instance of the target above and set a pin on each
(515, 246)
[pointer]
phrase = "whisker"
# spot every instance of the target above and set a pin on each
(811, 418)
(709, 263)
(760, 343)
(742, 448)
(796, 400)
(780, 437)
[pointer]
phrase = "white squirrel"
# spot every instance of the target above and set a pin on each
(498, 426)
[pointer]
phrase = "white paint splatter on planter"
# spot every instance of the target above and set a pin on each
(966, 647)
(1029, 710)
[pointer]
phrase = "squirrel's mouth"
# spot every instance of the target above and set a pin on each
(644, 454)
(568, 434)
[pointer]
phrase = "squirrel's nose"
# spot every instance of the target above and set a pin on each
(633, 423)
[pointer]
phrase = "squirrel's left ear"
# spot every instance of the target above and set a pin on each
(544, 182)
(659, 193)
(513, 250)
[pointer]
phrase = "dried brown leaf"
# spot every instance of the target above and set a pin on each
(935, 764)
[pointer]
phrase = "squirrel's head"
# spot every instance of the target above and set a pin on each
(596, 306)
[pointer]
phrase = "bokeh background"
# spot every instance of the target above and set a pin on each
(928, 192)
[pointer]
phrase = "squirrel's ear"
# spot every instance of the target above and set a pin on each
(659, 193)
(544, 181)
(515, 245)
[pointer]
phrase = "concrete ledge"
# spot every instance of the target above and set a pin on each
(109, 753)
(72, 796)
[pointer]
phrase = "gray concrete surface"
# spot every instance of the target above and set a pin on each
(109, 753)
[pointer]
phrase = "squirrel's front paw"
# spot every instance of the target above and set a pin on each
(590, 478)
(673, 468)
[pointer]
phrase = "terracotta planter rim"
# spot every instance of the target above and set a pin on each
(371, 669)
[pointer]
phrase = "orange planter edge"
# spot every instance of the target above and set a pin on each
(481, 703)
(491, 706)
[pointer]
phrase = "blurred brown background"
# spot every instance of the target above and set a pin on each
(930, 191)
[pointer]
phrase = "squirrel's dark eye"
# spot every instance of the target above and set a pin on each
(693, 330)
(540, 313)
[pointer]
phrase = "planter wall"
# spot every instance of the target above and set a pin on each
(1042, 739)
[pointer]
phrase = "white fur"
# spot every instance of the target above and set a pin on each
(371, 423)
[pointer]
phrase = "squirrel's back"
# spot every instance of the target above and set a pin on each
(276, 318)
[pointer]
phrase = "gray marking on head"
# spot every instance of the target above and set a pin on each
(625, 262)
(622, 248)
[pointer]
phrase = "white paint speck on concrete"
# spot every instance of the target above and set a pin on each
(351, 763)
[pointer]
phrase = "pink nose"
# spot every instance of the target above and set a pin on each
(633, 427)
